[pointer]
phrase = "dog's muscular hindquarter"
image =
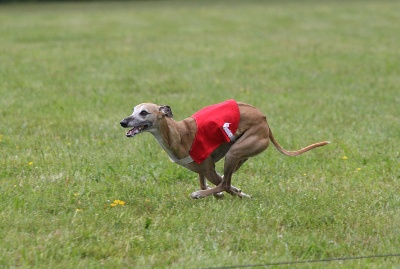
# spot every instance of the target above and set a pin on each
(251, 137)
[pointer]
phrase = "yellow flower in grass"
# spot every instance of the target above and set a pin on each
(30, 163)
(118, 202)
(344, 157)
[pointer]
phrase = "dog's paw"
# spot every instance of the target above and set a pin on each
(219, 195)
(243, 195)
(196, 195)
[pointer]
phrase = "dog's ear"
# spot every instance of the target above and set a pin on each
(166, 110)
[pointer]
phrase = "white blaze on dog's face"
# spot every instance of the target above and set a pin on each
(144, 118)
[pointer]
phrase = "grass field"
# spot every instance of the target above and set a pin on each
(320, 70)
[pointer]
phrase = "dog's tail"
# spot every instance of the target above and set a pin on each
(297, 152)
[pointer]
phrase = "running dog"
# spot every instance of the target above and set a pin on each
(234, 130)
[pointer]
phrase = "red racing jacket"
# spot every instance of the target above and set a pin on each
(216, 124)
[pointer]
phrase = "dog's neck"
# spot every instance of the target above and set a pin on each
(175, 137)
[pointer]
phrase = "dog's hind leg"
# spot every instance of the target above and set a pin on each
(231, 166)
(252, 142)
(241, 162)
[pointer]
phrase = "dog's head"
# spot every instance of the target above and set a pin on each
(145, 117)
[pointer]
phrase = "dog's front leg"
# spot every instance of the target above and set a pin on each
(218, 190)
(203, 182)
(206, 192)
(206, 170)
(204, 186)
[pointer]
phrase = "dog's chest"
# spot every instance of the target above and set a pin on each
(216, 124)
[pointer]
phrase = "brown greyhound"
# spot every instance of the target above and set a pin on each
(243, 132)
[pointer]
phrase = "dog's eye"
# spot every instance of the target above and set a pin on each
(143, 113)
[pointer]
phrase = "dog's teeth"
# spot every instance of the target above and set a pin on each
(136, 130)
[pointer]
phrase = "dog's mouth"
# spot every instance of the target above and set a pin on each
(136, 130)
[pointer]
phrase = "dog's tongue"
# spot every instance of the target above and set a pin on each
(132, 132)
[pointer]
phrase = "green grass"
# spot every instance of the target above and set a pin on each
(69, 72)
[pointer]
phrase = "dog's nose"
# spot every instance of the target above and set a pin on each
(124, 123)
